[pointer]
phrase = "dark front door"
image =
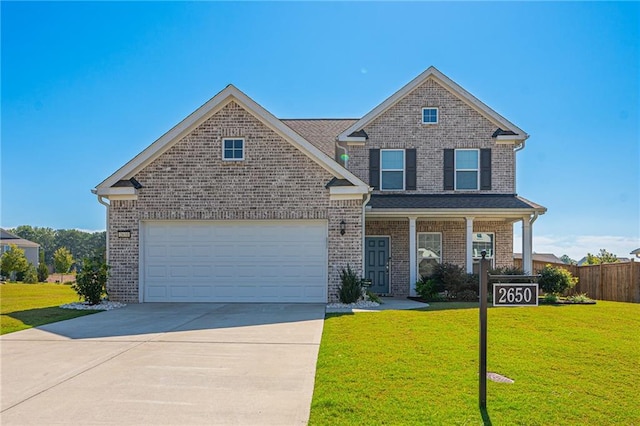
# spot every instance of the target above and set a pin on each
(377, 263)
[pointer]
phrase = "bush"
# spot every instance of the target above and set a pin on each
(555, 280)
(579, 298)
(449, 277)
(30, 275)
(426, 288)
(368, 295)
(91, 280)
(43, 272)
(550, 298)
(350, 290)
(467, 296)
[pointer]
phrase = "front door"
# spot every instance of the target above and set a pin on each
(377, 263)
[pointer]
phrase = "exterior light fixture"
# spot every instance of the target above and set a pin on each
(343, 227)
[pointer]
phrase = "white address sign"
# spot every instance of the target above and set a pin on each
(515, 294)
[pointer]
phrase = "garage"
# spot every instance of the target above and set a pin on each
(234, 261)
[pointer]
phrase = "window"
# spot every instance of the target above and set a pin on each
(233, 149)
(429, 252)
(483, 241)
(429, 115)
(466, 165)
(391, 169)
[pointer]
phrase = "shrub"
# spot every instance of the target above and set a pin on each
(449, 277)
(579, 298)
(368, 295)
(30, 275)
(426, 288)
(555, 280)
(350, 289)
(550, 298)
(91, 280)
(43, 272)
(467, 296)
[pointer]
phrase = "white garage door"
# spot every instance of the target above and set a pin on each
(235, 261)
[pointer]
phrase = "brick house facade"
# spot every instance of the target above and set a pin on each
(254, 184)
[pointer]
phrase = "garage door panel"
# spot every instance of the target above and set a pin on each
(235, 261)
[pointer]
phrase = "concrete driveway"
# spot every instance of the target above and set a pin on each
(178, 364)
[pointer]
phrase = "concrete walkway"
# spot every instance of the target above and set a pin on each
(169, 364)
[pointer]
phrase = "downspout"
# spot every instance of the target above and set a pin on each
(364, 206)
(107, 205)
(515, 150)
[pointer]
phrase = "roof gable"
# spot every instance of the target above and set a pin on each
(507, 129)
(111, 186)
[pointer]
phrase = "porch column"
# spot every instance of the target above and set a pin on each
(469, 258)
(527, 245)
(413, 250)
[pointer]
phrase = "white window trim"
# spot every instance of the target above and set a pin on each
(493, 248)
(418, 247)
(403, 170)
(430, 122)
(244, 146)
(456, 170)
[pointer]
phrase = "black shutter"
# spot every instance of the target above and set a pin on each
(374, 168)
(485, 168)
(448, 169)
(410, 169)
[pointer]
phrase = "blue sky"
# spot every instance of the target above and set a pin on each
(87, 86)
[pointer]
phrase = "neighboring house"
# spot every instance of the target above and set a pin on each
(31, 249)
(541, 257)
(234, 204)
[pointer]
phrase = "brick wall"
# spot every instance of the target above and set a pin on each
(459, 126)
(190, 181)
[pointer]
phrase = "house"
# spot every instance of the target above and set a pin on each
(540, 257)
(31, 249)
(234, 204)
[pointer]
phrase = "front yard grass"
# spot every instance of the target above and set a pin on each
(571, 365)
(30, 305)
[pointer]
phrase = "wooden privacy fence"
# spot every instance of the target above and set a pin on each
(619, 282)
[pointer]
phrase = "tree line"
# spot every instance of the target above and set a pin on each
(80, 244)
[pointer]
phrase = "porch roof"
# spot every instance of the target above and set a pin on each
(452, 201)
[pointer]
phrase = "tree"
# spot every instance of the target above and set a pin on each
(62, 261)
(567, 260)
(30, 275)
(43, 272)
(555, 280)
(13, 261)
(603, 257)
(81, 244)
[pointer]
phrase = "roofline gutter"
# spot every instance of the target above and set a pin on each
(455, 213)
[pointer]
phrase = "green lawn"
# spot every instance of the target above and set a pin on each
(571, 365)
(30, 305)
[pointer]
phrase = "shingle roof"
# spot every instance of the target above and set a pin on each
(451, 201)
(320, 132)
(9, 238)
(338, 182)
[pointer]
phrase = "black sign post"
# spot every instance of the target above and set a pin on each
(507, 294)
(484, 282)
